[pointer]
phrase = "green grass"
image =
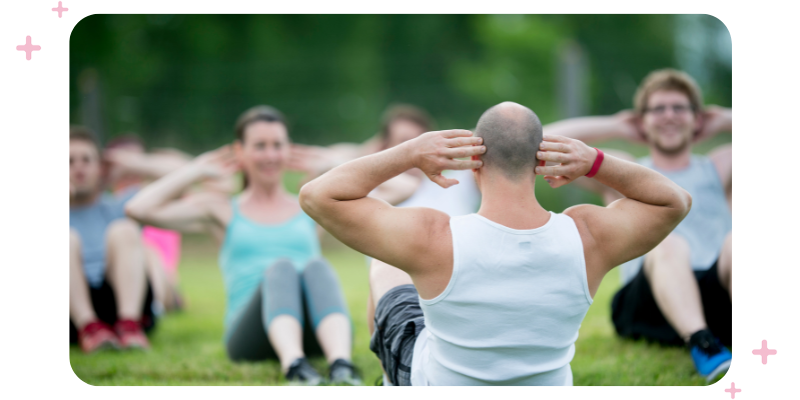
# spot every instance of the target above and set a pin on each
(187, 347)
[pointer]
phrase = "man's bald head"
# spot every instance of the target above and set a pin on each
(511, 133)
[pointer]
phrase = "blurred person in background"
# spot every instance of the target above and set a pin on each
(108, 283)
(680, 292)
(399, 123)
(283, 300)
(162, 246)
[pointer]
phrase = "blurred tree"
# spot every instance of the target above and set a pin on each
(181, 80)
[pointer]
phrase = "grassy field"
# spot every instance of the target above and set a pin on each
(187, 347)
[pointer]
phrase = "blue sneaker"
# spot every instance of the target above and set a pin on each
(711, 365)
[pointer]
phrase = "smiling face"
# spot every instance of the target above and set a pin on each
(264, 151)
(84, 168)
(669, 122)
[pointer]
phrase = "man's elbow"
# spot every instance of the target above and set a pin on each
(683, 202)
(309, 198)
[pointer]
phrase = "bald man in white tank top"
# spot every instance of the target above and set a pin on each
(496, 297)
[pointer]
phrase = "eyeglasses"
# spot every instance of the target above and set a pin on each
(678, 109)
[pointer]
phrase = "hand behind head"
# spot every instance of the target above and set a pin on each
(434, 152)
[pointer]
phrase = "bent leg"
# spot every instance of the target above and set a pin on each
(282, 311)
(382, 278)
(248, 339)
(81, 311)
(725, 265)
(126, 267)
(328, 310)
(668, 270)
(162, 288)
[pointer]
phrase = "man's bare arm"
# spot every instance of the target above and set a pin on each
(630, 227)
(338, 199)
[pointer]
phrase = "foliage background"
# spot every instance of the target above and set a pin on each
(181, 80)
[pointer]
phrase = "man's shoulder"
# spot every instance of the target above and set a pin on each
(588, 220)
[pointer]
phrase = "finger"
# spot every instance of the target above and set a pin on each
(442, 181)
(556, 181)
(464, 141)
(461, 152)
(552, 156)
(452, 133)
(554, 146)
(464, 164)
(555, 138)
(556, 170)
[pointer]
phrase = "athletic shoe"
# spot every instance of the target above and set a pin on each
(96, 335)
(131, 335)
(302, 373)
(711, 364)
(343, 372)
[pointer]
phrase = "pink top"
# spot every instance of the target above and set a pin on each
(167, 243)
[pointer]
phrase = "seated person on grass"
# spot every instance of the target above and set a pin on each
(283, 300)
(162, 246)
(679, 293)
(497, 297)
(108, 284)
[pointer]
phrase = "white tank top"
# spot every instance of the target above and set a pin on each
(512, 309)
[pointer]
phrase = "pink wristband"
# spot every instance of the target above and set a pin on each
(597, 162)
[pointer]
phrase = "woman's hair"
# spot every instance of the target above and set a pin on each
(407, 112)
(255, 114)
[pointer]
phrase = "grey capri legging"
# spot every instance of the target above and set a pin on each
(308, 296)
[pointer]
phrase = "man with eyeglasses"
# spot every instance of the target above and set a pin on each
(680, 292)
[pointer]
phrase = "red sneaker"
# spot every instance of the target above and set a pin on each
(97, 335)
(131, 335)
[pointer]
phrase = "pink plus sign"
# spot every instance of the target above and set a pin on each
(733, 390)
(28, 48)
(60, 9)
(764, 352)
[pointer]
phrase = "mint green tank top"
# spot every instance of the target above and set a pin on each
(250, 247)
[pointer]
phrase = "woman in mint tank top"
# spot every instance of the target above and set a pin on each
(283, 300)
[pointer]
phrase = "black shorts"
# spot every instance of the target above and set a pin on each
(636, 315)
(105, 306)
(398, 322)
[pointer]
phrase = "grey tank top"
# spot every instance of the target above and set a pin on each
(708, 222)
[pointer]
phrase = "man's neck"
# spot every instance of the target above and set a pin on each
(671, 162)
(512, 204)
(83, 200)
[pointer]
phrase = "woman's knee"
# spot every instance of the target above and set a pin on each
(318, 267)
(280, 268)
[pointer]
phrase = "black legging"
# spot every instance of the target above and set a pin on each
(308, 296)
